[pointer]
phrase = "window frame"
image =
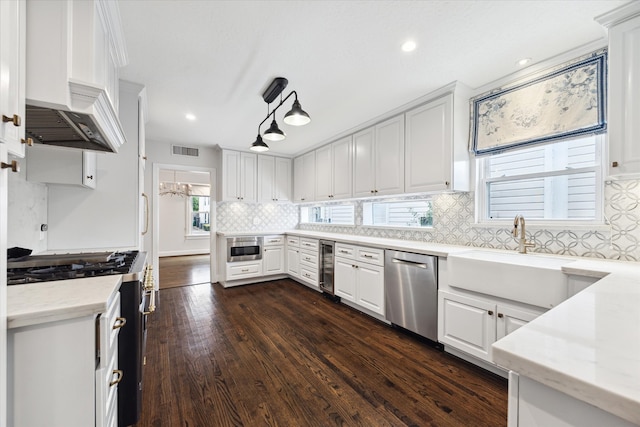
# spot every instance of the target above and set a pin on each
(482, 193)
(396, 227)
(324, 205)
(190, 234)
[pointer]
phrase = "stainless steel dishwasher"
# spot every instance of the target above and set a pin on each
(411, 292)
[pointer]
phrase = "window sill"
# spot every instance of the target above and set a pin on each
(328, 224)
(547, 225)
(398, 228)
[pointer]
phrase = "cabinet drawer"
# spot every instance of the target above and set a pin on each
(309, 275)
(370, 255)
(293, 241)
(310, 244)
(345, 251)
(241, 270)
(311, 260)
(273, 240)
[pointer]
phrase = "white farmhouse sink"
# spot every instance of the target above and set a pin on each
(534, 279)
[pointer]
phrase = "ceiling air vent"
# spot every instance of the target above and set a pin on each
(185, 151)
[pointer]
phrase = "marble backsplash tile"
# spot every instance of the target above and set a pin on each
(454, 220)
(237, 216)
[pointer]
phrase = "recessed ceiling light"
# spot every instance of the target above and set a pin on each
(523, 61)
(190, 117)
(409, 46)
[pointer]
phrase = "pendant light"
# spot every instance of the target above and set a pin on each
(295, 117)
(274, 133)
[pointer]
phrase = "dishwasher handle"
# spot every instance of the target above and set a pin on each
(409, 263)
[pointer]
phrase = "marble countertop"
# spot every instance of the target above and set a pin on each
(588, 346)
(36, 303)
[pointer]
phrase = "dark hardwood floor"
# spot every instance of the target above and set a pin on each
(279, 354)
(184, 270)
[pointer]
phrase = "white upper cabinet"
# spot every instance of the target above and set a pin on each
(53, 165)
(437, 157)
(623, 126)
(379, 159)
(239, 176)
(334, 170)
(74, 51)
(12, 74)
(274, 179)
(304, 174)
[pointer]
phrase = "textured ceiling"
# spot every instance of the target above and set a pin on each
(214, 58)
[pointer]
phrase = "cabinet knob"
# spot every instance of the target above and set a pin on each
(614, 164)
(373, 191)
(490, 312)
(500, 315)
(89, 176)
(28, 141)
(14, 166)
(446, 183)
(144, 157)
(16, 120)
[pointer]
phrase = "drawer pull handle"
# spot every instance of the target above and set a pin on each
(28, 141)
(16, 120)
(343, 252)
(246, 270)
(119, 323)
(367, 256)
(14, 166)
(119, 377)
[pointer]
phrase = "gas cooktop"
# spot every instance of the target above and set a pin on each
(45, 268)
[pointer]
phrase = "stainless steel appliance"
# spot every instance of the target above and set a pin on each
(411, 292)
(244, 248)
(327, 251)
(137, 301)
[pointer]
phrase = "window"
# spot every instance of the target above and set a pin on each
(405, 213)
(199, 215)
(559, 181)
(332, 214)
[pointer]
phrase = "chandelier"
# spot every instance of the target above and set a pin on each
(175, 188)
(295, 117)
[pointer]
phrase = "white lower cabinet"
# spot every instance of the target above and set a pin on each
(65, 373)
(471, 324)
(244, 270)
(358, 281)
(273, 260)
(293, 256)
(309, 249)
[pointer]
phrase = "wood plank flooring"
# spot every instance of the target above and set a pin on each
(280, 354)
(184, 270)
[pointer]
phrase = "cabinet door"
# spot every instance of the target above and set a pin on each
(89, 169)
(324, 173)
(511, 318)
(298, 179)
(282, 183)
(370, 287)
(467, 324)
(345, 279)
(230, 175)
(363, 165)
(389, 157)
(293, 262)
(273, 262)
(309, 175)
(428, 147)
(266, 178)
(342, 154)
(12, 73)
(248, 177)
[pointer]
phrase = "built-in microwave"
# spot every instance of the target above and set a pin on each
(244, 248)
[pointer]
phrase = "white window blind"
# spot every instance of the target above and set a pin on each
(558, 181)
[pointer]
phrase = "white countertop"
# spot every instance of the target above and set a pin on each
(588, 346)
(35, 303)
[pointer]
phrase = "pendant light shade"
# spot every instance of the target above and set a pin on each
(259, 145)
(274, 133)
(296, 116)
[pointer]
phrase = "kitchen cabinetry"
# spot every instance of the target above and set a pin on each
(73, 54)
(239, 178)
(471, 324)
(274, 179)
(53, 165)
(293, 256)
(3, 284)
(75, 385)
(334, 170)
(243, 270)
(309, 249)
(304, 171)
(359, 276)
(379, 159)
(623, 128)
(436, 144)
(12, 74)
(273, 255)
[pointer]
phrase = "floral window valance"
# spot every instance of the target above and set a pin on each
(564, 103)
